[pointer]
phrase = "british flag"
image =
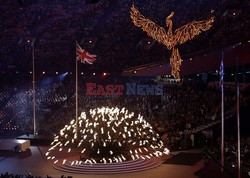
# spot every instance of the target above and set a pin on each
(83, 56)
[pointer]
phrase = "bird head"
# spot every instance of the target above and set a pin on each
(168, 19)
(170, 16)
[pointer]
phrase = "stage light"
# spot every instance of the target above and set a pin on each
(149, 42)
(17, 72)
(81, 73)
(70, 73)
(135, 71)
(190, 59)
(104, 74)
(62, 76)
(43, 72)
(56, 72)
(94, 73)
(90, 41)
(28, 41)
(248, 41)
(30, 72)
(238, 44)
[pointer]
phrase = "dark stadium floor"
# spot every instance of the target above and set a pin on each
(34, 162)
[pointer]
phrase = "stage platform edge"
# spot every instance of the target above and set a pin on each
(37, 140)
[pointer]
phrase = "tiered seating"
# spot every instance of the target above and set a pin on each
(110, 168)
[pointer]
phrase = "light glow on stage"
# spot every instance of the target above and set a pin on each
(106, 135)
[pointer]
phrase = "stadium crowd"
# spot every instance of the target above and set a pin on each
(231, 152)
(184, 108)
(119, 44)
(9, 175)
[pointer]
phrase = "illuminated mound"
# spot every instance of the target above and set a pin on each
(106, 135)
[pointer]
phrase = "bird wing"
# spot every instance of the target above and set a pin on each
(153, 30)
(189, 31)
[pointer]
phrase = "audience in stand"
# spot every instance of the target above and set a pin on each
(231, 151)
(184, 108)
(8, 175)
(56, 25)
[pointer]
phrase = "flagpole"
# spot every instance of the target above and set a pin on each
(34, 88)
(238, 116)
(222, 110)
(76, 98)
(84, 56)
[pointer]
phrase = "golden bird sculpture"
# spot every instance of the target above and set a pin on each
(169, 39)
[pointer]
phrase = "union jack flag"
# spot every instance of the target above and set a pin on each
(83, 56)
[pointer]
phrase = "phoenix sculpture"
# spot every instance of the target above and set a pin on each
(171, 39)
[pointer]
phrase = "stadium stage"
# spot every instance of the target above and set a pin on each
(37, 164)
(14, 145)
(177, 165)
